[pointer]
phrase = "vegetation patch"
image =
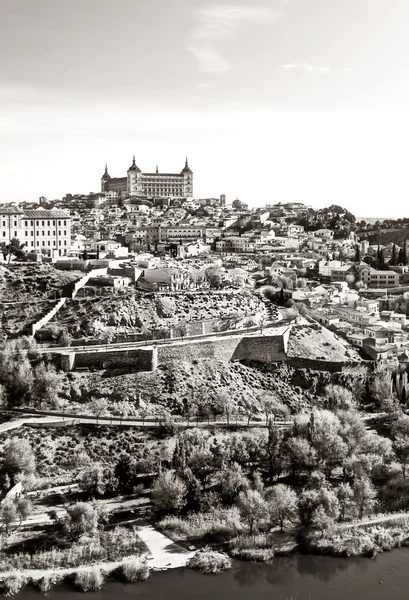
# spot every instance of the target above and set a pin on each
(210, 562)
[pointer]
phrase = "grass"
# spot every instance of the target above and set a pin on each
(134, 570)
(367, 540)
(110, 545)
(219, 525)
(89, 580)
(209, 562)
(255, 548)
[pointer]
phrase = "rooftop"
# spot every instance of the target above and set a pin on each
(46, 214)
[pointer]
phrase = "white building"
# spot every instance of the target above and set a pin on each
(38, 229)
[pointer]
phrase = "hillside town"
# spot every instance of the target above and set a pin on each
(147, 233)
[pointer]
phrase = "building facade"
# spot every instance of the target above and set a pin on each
(136, 183)
(38, 229)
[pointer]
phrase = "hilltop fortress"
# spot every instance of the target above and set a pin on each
(136, 183)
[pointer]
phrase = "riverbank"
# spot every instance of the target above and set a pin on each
(162, 554)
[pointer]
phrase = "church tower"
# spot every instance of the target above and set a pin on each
(133, 178)
(104, 180)
(187, 181)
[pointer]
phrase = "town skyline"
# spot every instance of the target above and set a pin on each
(272, 102)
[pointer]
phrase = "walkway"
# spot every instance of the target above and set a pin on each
(163, 552)
(60, 419)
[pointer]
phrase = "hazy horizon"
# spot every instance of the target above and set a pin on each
(272, 101)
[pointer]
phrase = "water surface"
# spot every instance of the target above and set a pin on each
(303, 577)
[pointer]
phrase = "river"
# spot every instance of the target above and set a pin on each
(302, 577)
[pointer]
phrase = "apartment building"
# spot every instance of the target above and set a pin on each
(38, 229)
(379, 279)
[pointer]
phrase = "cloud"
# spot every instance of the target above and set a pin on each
(313, 68)
(220, 23)
(307, 67)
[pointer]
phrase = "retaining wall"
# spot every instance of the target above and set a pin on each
(137, 359)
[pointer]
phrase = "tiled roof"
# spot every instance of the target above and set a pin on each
(10, 210)
(46, 214)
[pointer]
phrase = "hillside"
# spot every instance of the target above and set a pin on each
(32, 281)
(176, 385)
(318, 343)
(387, 236)
(131, 313)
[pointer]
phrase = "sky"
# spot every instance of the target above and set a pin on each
(271, 101)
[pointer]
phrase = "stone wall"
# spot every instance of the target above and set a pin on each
(137, 359)
(260, 348)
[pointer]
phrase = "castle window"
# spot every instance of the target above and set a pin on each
(4, 234)
(37, 223)
(48, 223)
(42, 223)
(38, 243)
(15, 223)
(4, 223)
(31, 223)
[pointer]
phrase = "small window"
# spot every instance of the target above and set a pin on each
(42, 223)
(4, 234)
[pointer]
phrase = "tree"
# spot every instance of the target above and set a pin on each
(214, 276)
(47, 386)
(357, 254)
(24, 508)
(169, 492)
(99, 407)
(301, 454)
(82, 519)
(14, 248)
(339, 398)
(400, 434)
(8, 513)
(232, 481)
(271, 405)
(201, 464)
(364, 495)
(394, 257)
(274, 451)
(93, 479)
(282, 504)
(18, 458)
(182, 329)
(252, 507)
(345, 497)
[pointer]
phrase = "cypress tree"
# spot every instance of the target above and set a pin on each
(404, 254)
(394, 258)
(400, 257)
(357, 254)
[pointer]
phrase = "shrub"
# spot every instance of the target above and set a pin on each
(134, 570)
(13, 584)
(90, 579)
(252, 547)
(209, 561)
(46, 582)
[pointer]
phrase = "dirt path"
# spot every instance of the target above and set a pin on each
(373, 520)
(164, 553)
